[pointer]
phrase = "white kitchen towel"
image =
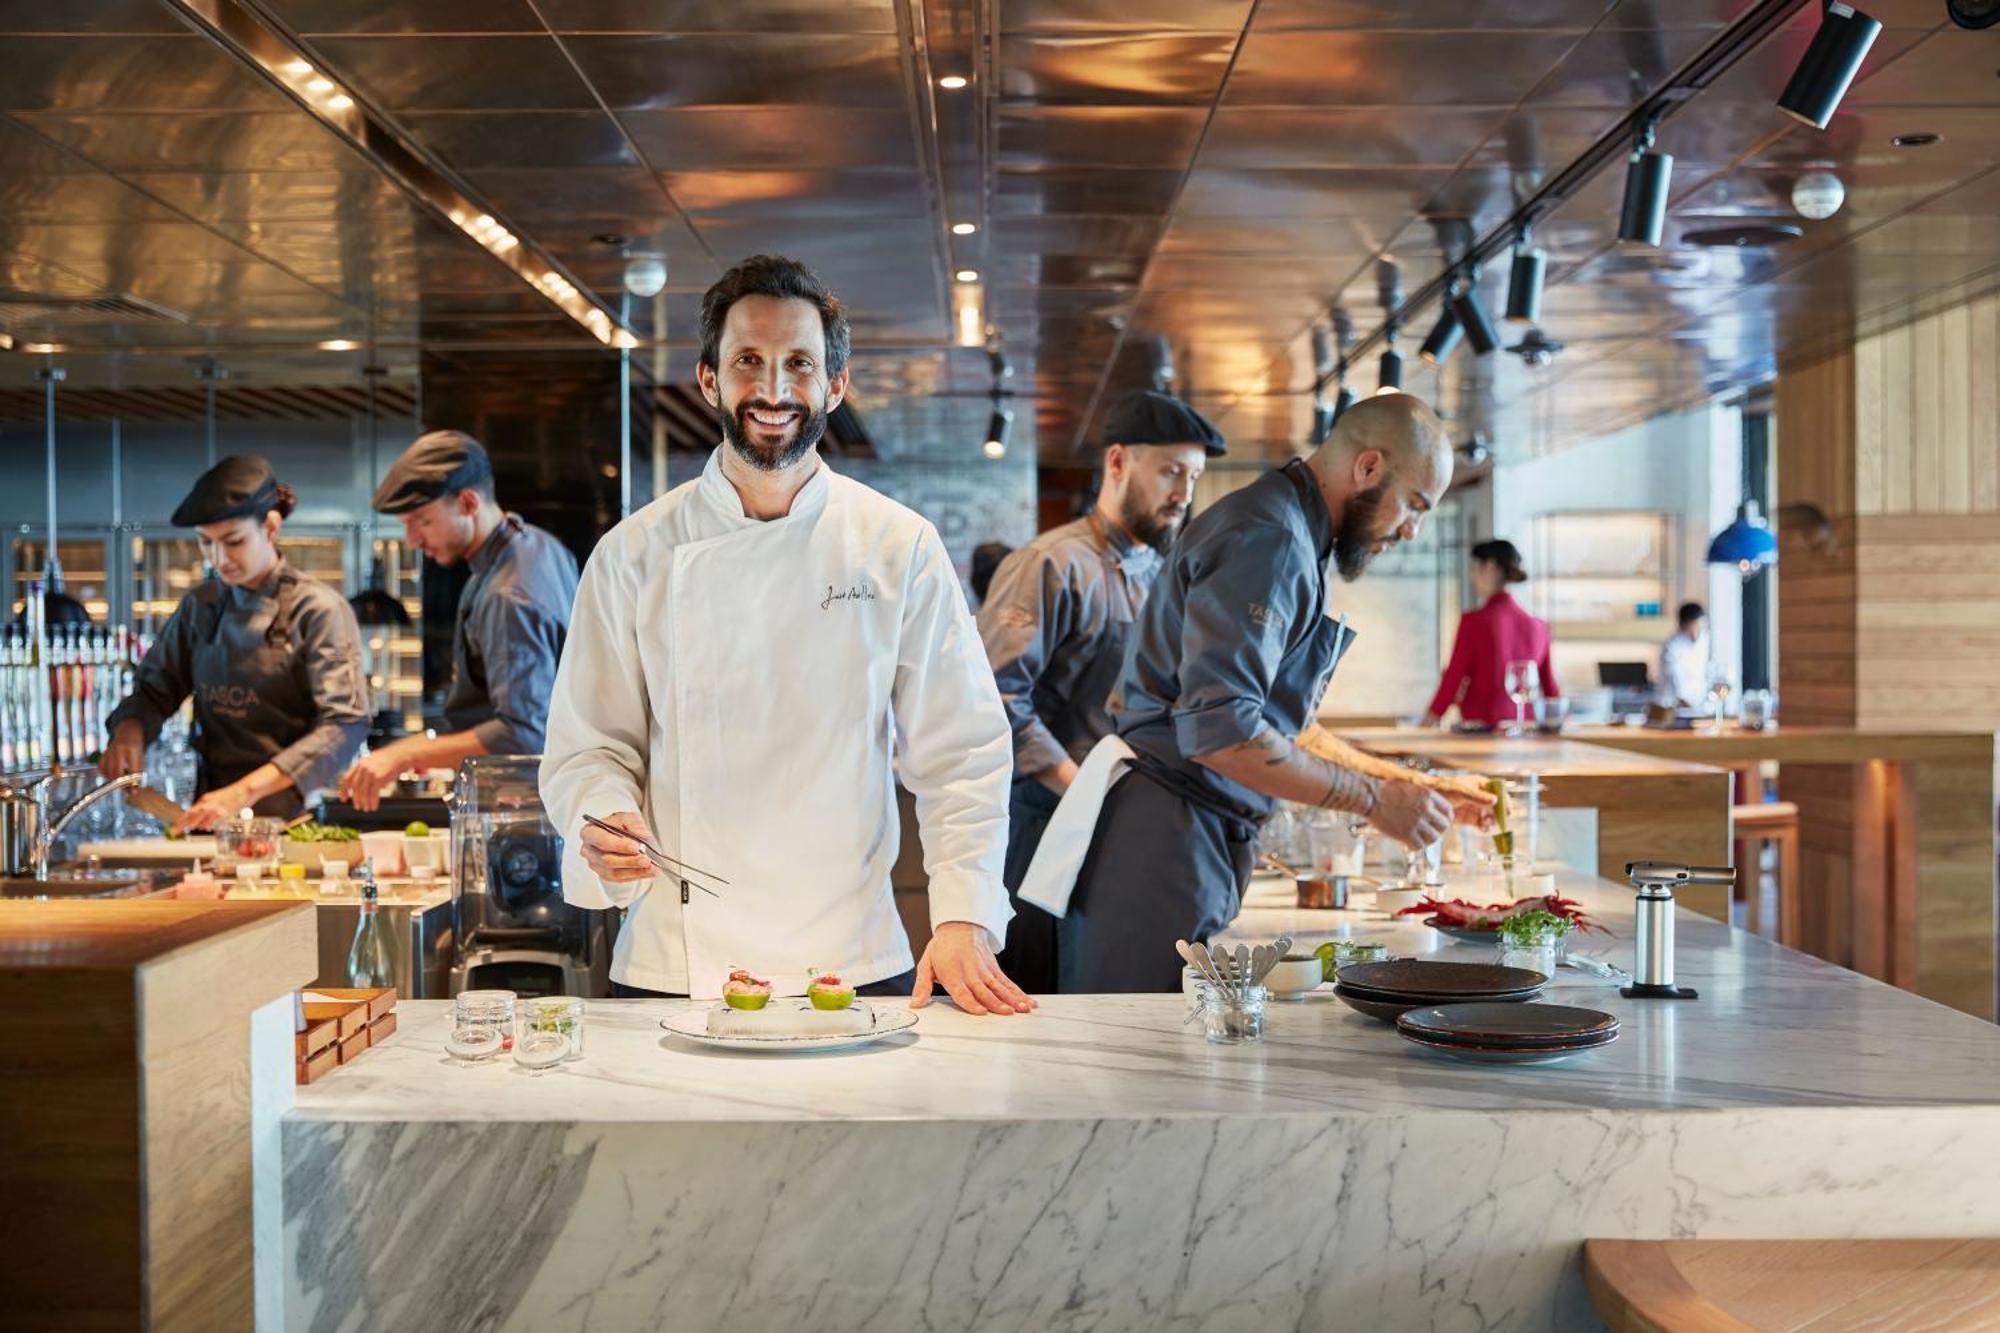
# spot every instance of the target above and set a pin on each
(1051, 876)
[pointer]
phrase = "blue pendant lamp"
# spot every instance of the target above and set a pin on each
(1748, 543)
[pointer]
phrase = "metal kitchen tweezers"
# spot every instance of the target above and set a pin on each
(661, 861)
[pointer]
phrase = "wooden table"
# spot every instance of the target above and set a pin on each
(1647, 808)
(1896, 841)
(126, 1083)
(1775, 1286)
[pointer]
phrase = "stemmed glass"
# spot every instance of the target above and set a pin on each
(1718, 694)
(1524, 682)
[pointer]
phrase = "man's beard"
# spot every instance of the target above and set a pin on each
(1149, 527)
(1351, 542)
(736, 430)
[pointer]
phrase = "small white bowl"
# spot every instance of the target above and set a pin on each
(1295, 977)
(1393, 900)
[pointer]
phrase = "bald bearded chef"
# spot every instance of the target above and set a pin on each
(748, 656)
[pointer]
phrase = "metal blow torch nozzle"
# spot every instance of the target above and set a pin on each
(1653, 924)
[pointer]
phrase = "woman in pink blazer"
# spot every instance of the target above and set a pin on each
(1498, 632)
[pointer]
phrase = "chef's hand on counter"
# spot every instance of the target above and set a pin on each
(361, 786)
(214, 810)
(1411, 813)
(126, 753)
(619, 860)
(960, 958)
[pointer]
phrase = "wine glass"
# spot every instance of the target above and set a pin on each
(1718, 693)
(1523, 682)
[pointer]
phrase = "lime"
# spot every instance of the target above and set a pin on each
(416, 828)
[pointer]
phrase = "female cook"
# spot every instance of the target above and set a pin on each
(1498, 632)
(272, 658)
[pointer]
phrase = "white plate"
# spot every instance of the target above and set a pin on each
(693, 1027)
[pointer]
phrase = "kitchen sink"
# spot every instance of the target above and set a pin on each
(71, 887)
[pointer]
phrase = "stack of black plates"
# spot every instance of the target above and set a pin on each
(1519, 1034)
(1386, 990)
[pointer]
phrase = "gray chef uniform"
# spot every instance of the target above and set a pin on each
(1235, 637)
(514, 612)
(274, 670)
(1054, 624)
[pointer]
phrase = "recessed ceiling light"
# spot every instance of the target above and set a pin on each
(320, 84)
(964, 228)
(952, 81)
(340, 102)
(298, 67)
(41, 349)
(968, 275)
(338, 345)
(1921, 139)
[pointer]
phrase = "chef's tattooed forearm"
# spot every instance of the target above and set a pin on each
(1276, 765)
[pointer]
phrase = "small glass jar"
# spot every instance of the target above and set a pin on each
(1538, 951)
(1336, 954)
(482, 1024)
(549, 1015)
(1228, 1017)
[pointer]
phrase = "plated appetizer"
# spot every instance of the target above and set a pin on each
(743, 991)
(827, 991)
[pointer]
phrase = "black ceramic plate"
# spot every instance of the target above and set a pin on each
(1431, 997)
(1490, 1024)
(1425, 976)
(1501, 1055)
(1389, 1010)
(1465, 933)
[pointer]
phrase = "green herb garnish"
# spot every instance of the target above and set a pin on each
(1534, 927)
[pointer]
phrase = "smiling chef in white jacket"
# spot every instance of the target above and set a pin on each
(748, 656)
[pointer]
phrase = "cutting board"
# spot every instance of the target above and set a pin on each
(156, 850)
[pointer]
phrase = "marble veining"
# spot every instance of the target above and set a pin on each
(1097, 1166)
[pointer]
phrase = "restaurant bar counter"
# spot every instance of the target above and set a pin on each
(1099, 1165)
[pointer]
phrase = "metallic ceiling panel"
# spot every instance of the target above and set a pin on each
(748, 16)
(1377, 194)
(480, 141)
(1112, 236)
(771, 137)
(95, 17)
(484, 73)
(1263, 138)
(1122, 16)
(1614, 70)
(1085, 190)
(1132, 69)
(314, 18)
(1309, 69)
(267, 141)
(272, 196)
(125, 73)
(1267, 236)
(780, 196)
(742, 69)
(75, 199)
(1287, 15)
(1032, 136)
(1951, 67)
(529, 194)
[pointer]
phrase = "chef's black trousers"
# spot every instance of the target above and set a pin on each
(1161, 868)
(1029, 955)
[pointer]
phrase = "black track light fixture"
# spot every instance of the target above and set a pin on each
(1443, 338)
(1829, 64)
(996, 431)
(1471, 312)
(1341, 402)
(1391, 379)
(1524, 282)
(1322, 419)
(1648, 180)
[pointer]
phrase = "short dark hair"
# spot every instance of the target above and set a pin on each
(1691, 612)
(786, 279)
(1504, 554)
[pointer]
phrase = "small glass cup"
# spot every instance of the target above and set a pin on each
(1538, 951)
(1424, 866)
(1336, 954)
(482, 1025)
(1758, 710)
(1228, 1017)
(550, 1015)
(1551, 714)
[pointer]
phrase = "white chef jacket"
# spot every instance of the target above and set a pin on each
(1683, 671)
(743, 684)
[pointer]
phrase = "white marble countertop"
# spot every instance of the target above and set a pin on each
(1772, 1029)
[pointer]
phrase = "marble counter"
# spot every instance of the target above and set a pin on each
(1098, 1165)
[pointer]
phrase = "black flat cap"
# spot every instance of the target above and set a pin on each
(441, 463)
(240, 486)
(1146, 417)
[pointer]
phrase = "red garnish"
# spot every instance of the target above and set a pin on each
(828, 980)
(1463, 915)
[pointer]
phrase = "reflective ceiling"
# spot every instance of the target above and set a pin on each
(1211, 176)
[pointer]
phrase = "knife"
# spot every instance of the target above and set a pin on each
(147, 801)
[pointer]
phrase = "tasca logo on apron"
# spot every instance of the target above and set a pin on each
(231, 700)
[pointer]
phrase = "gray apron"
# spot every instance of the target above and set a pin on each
(1168, 861)
(249, 700)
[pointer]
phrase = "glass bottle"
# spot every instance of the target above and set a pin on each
(371, 960)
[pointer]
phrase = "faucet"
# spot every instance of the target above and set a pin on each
(52, 829)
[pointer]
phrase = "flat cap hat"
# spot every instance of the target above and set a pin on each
(240, 486)
(1146, 417)
(442, 463)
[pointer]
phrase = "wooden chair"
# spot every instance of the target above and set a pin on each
(1754, 825)
(1734, 1286)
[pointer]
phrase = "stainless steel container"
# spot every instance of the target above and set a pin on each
(20, 826)
(422, 934)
